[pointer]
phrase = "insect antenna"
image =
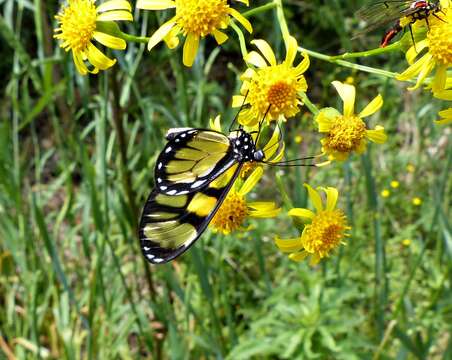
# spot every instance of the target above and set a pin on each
(238, 112)
(261, 122)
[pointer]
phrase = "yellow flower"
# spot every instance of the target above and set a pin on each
(410, 168)
(395, 184)
(406, 242)
(195, 19)
(235, 209)
(81, 21)
(347, 132)
(325, 232)
(270, 86)
(446, 116)
(298, 139)
(436, 48)
(416, 201)
(385, 193)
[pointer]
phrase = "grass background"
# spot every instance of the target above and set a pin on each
(76, 164)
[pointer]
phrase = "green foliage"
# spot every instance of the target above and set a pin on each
(76, 164)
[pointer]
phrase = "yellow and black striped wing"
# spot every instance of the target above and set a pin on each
(170, 224)
(191, 159)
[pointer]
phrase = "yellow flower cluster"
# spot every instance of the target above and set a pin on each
(272, 91)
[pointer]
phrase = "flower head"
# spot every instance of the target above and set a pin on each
(271, 88)
(347, 132)
(436, 48)
(325, 232)
(235, 209)
(194, 19)
(80, 22)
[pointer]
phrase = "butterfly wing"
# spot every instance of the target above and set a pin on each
(191, 159)
(171, 224)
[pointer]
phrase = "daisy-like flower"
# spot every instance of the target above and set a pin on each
(235, 209)
(195, 19)
(436, 48)
(347, 132)
(81, 22)
(325, 231)
(270, 86)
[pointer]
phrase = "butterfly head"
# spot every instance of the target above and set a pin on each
(245, 148)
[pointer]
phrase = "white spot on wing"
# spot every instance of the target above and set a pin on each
(160, 165)
(159, 180)
(145, 248)
(168, 149)
(197, 183)
(172, 192)
(157, 260)
(150, 256)
(163, 187)
(183, 135)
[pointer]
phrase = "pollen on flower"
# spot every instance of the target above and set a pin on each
(201, 17)
(231, 214)
(346, 134)
(77, 24)
(325, 233)
(440, 38)
(277, 87)
(247, 169)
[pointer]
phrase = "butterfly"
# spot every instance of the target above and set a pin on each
(193, 175)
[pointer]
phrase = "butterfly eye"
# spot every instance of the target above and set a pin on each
(258, 155)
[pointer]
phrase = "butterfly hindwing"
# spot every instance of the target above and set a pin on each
(191, 159)
(170, 224)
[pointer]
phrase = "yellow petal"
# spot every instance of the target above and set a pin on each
(266, 50)
(414, 51)
(216, 123)
(347, 94)
(265, 213)
(98, 58)
(414, 69)
(302, 213)
(254, 58)
(161, 32)
(237, 101)
(439, 81)
(190, 49)
(315, 198)
(331, 197)
(303, 65)
(114, 5)
(171, 39)
(79, 64)
(288, 245)
(378, 135)
(372, 107)
(299, 256)
(115, 15)
(242, 20)
(220, 37)
(110, 41)
(251, 181)
(155, 4)
(291, 50)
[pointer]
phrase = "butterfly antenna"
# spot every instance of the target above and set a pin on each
(261, 122)
(238, 112)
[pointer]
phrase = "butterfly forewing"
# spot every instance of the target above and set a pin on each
(191, 159)
(171, 224)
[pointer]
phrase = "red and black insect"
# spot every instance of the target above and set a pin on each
(381, 13)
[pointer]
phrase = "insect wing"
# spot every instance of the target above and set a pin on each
(171, 224)
(191, 159)
(381, 13)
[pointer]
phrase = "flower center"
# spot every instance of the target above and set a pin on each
(325, 232)
(231, 213)
(77, 24)
(201, 17)
(277, 87)
(440, 37)
(247, 169)
(346, 133)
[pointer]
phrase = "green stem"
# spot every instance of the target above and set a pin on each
(373, 52)
(282, 20)
(334, 60)
(260, 9)
(312, 108)
(133, 38)
(241, 37)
